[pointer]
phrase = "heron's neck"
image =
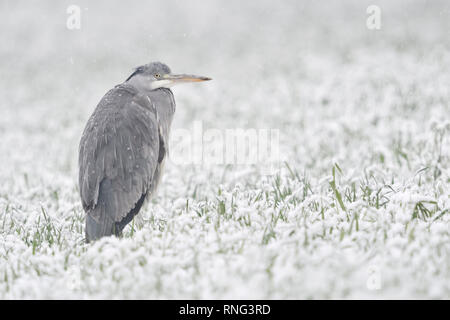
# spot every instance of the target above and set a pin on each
(140, 83)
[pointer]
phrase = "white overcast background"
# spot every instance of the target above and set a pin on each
(358, 207)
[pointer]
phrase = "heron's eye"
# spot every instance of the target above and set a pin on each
(157, 75)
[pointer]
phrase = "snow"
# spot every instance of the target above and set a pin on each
(376, 103)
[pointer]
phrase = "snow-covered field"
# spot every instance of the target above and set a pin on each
(359, 206)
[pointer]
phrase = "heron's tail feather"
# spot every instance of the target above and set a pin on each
(105, 225)
(96, 230)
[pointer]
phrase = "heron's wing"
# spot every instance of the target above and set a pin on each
(119, 153)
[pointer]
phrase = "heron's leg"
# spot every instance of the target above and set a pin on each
(119, 226)
(139, 219)
(117, 230)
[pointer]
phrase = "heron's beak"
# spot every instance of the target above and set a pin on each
(169, 80)
(181, 78)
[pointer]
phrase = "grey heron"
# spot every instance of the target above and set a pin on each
(123, 147)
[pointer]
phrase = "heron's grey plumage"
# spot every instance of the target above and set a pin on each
(123, 148)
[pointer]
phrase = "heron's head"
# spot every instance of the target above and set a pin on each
(158, 75)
